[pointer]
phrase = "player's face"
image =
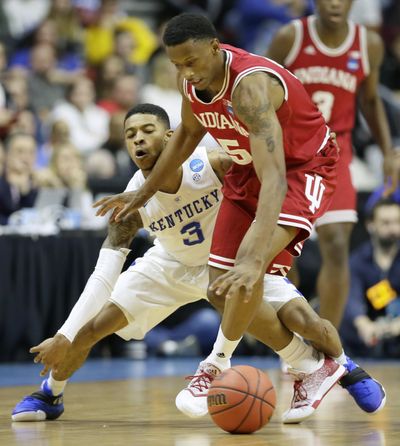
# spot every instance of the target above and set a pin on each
(197, 61)
(145, 138)
(333, 13)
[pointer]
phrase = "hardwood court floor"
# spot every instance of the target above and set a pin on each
(142, 412)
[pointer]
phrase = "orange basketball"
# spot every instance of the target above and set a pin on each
(241, 400)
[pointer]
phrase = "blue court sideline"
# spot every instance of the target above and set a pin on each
(19, 374)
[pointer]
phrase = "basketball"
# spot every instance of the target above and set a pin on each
(241, 400)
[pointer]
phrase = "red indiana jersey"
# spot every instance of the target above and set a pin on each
(331, 76)
(304, 129)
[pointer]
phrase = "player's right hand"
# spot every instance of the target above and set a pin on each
(51, 352)
(123, 205)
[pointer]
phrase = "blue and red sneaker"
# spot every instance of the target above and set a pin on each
(39, 406)
(368, 393)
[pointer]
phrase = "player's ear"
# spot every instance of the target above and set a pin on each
(215, 46)
(168, 135)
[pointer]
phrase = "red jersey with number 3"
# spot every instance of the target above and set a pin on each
(304, 129)
(331, 76)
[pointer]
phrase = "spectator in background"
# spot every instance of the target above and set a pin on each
(69, 62)
(20, 17)
(88, 123)
(66, 169)
(124, 95)
(371, 323)
(162, 88)
(59, 135)
(254, 22)
(109, 71)
(2, 159)
(17, 188)
(367, 13)
(69, 30)
(100, 36)
(44, 90)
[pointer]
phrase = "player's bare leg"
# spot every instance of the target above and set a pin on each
(109, 320)
(299, 317)
(320, 373)
(334, 277)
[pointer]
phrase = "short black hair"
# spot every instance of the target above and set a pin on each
(149, 109)
(184, 27)
(385, 201)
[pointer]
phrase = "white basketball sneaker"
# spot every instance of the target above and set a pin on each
(310, 389)
(192, 400)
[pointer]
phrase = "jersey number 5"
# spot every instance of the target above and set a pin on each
(239, 156)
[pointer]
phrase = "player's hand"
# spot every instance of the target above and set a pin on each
(239, 282)
(124, 205)
(368, 332)
(51, 352)
(391, 169)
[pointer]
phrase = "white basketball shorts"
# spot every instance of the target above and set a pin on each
(156, 285)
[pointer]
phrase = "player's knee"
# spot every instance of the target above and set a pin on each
(302, 320)
(218, 302)
(335, 247)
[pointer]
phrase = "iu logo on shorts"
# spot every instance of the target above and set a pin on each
(314, 191)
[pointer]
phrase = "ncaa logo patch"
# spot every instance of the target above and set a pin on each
(353, 64)
(196, 165)
(228, 106)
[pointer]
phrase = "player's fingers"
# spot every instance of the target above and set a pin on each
(248, 293)
(37, 358)
(218, 281)
(45, 370)
(101, 201)
(102, 211)
(126, 212)
(114, 215)
(35, 349)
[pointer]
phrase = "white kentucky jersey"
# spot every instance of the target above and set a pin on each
(183, 222)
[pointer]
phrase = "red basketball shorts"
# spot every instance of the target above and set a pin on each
(310, 189)
(344, 200)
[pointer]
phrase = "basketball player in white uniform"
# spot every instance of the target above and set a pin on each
(170, 274)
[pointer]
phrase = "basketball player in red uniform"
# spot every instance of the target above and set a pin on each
(282, 179)
(337, 60)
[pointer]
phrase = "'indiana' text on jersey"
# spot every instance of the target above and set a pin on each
(185, 212)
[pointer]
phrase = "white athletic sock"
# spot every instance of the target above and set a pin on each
(97, 290)
(223, 350)
(301, 356)
(342, 360)
(55, 386)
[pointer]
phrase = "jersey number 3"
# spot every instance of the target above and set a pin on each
(193, 232)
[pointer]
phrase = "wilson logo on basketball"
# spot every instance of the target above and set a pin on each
(216, 400)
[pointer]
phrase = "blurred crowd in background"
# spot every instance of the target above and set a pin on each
(71, 69)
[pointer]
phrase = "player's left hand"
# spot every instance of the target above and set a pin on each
(238, 282)
(51, 352)
(391, 170)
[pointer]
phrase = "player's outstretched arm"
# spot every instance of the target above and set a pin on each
(99, 286)
(179, 147)
(373, 110)
(254, 105)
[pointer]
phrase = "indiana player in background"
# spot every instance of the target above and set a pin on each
(173, 273)
(281, 180)
(338, 62)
